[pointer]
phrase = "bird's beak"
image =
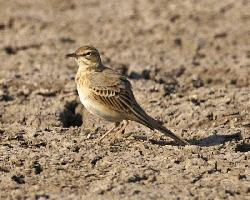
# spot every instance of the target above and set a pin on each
(71, 55)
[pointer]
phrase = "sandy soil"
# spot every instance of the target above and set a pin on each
(189, 63)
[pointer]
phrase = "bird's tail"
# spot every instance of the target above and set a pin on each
(169, 133)
(143, 118)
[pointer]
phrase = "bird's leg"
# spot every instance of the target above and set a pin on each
(124, 125)
(109, 131)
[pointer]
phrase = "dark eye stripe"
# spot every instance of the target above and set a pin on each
(86, 54)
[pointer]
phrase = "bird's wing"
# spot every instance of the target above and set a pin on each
(112, 89)
(115, 91)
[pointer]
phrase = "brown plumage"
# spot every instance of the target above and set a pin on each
(108, 94)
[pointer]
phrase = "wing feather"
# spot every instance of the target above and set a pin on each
(115, 91)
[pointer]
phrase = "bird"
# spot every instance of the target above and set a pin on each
(108, 94)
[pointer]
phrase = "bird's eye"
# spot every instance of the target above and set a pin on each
(88, 54)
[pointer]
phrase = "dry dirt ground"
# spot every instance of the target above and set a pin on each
(189, 63)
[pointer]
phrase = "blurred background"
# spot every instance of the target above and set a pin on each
(189, 63)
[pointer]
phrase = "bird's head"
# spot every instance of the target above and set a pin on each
(86, 56)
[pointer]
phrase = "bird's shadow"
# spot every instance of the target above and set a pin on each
(69, 117)
(209, 141)
(215, 140)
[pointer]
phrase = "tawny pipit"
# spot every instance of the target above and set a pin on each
(108, 94)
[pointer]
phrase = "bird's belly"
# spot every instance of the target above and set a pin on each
(97, 108)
